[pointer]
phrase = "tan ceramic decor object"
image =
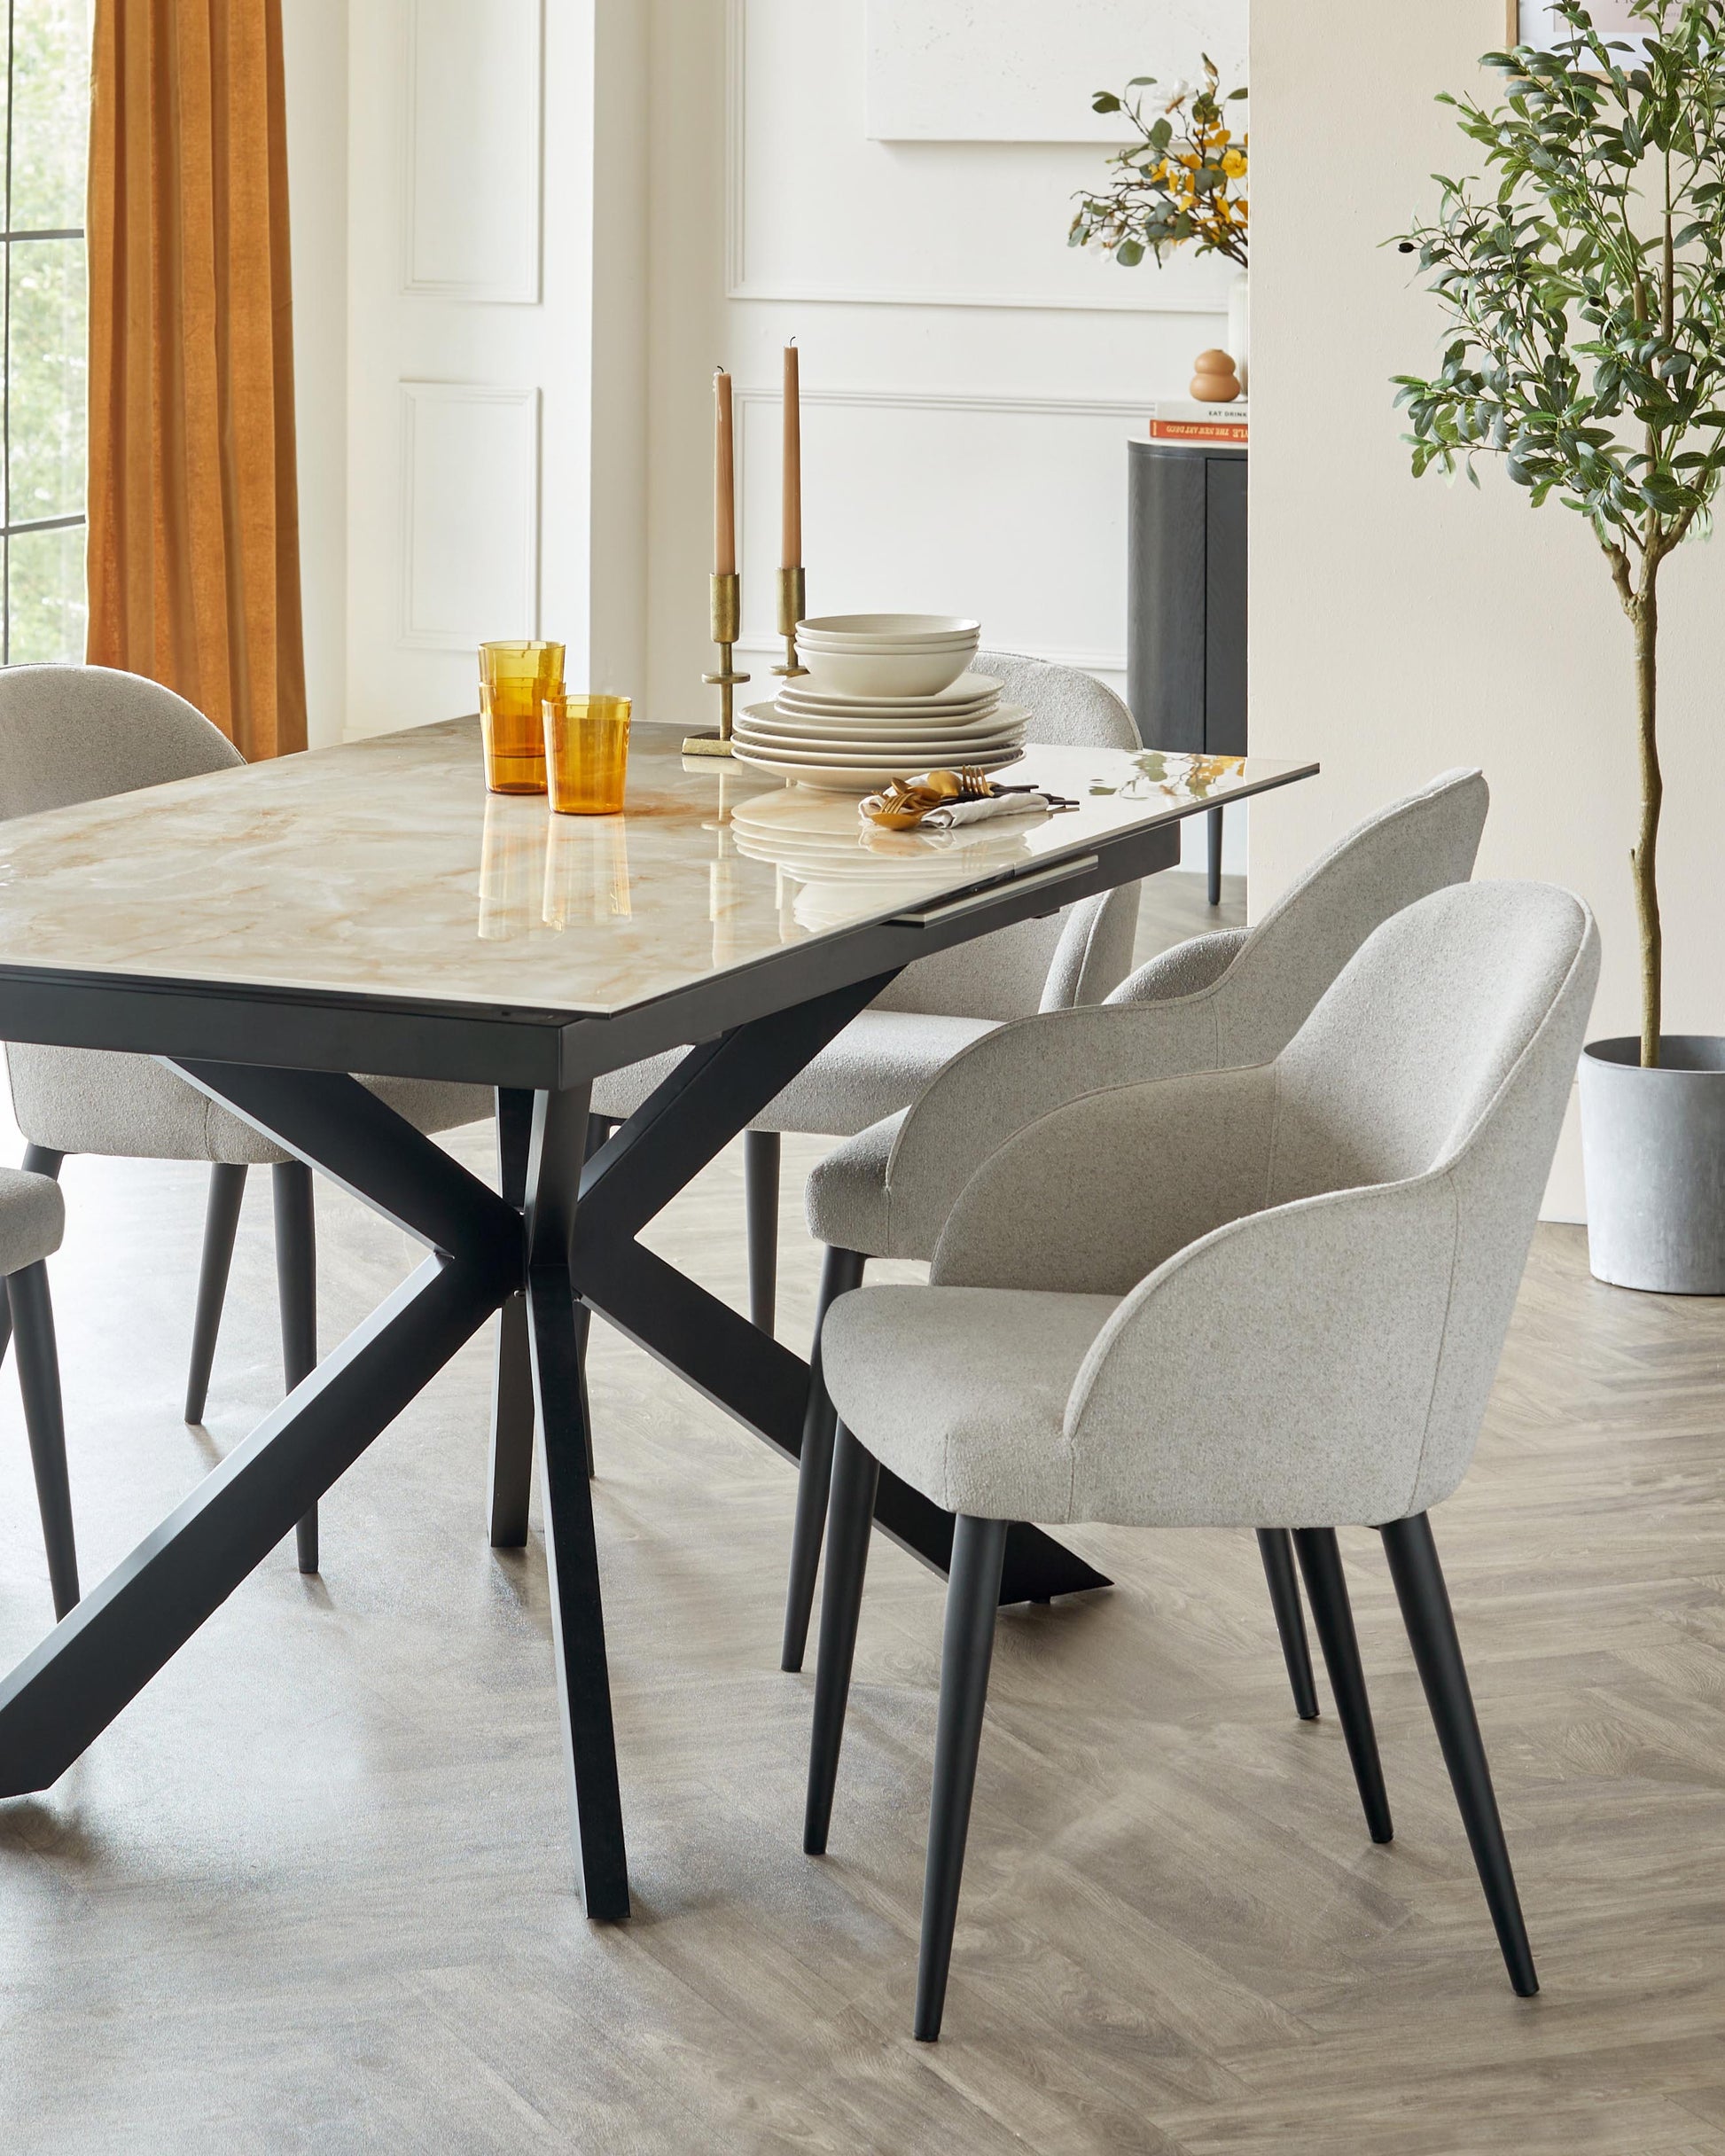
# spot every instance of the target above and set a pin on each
(1215, 380)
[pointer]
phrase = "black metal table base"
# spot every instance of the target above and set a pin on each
(563, 1229)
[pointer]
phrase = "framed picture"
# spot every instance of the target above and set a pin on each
(1531, 22)
(1026, 70)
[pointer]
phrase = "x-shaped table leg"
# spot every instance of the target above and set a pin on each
(485, 1250)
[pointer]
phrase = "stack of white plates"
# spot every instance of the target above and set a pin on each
(853, 743)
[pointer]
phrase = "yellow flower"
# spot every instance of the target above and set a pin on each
(1234, 164)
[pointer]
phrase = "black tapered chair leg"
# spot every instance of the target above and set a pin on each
(38, 1160)
(840, 1271)
(1326, 1589)
(979, 1549)
(39, 1382)
(296, 1285)
(760, 1159)
(856, 1476)
(227, 1193)
(1277, 1549)
(510, 1466)
(1425, 1611)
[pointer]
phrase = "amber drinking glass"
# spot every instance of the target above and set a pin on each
(514, 680)
(587, 752)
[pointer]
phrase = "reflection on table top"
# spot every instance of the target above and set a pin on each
(384, 868)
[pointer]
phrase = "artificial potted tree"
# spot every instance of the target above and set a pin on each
(1585, 278)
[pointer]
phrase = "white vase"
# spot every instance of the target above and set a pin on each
(1239, 329)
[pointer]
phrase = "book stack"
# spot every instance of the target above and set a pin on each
(1182, 419)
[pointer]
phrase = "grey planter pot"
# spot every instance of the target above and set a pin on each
(1653, 1149)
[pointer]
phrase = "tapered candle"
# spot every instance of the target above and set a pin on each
(791, 548)
(724, 480)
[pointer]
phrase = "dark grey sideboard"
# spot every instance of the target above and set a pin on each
(1186, 603)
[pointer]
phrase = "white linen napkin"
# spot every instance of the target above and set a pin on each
(956, 813)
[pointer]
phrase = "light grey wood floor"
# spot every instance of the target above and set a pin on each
(313, 1890)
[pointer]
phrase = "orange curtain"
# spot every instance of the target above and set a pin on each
(194, 541)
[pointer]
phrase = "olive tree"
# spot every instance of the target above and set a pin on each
(1584, 274)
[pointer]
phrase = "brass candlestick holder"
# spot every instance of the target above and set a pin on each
(727, 612)
(793, 605)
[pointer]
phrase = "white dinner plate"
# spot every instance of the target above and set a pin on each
(968, 689)
(771, 719)
(873, 746)
(914, 715)
(847, 778)
(775, 722)
(864, 755)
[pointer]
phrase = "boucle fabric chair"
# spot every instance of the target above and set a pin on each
(32, 1222)
(72, 734)
(1273, 1296)
(1234, 997)
(884, 1058)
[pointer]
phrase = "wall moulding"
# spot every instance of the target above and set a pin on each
(470, 466)
(759, 636)
(472, 178)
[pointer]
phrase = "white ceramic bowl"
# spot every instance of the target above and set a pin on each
(882, 673)
(890, 644)
(895, 628)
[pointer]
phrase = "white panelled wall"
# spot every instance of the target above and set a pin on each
(560, 215)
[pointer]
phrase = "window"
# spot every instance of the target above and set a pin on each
(43, 382)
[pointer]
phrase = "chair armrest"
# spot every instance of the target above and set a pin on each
(1092, 1197)
(1197, 963)
(1094, 954)
(1280, 1373)
(1009, 1079)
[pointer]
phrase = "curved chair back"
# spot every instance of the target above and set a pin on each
(1447, 1049)
(1013, 972)
(1068, 708)
(1270, 979)
(70, 734)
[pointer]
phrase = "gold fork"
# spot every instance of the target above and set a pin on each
(969, 783)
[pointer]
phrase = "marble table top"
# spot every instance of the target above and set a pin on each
(383, 868)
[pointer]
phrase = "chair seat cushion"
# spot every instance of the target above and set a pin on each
(963, 1391)
(877, 1066)
(32, 1219)
(75, 1100)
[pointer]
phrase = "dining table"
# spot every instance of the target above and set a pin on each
(270, 931)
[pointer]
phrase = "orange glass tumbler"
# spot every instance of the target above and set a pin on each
(587, 752)
(514, 680)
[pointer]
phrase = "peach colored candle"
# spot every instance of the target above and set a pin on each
(790, 546)
(724, 480)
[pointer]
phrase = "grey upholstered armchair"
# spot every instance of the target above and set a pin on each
(71, 734)
(940, 1005)
(1273, 1296)
(1232, 998)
